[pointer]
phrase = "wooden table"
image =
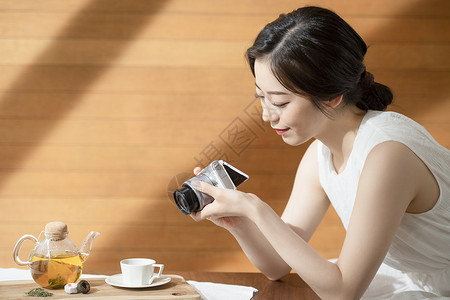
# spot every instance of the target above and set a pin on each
(290, 287)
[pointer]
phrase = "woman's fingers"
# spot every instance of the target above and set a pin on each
(197, 170)
(196, 216)
(209, 189)
(204, 187)
(202, 214)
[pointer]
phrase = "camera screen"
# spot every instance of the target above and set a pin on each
(235, 176)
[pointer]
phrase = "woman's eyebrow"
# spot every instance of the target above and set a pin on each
(274, 92)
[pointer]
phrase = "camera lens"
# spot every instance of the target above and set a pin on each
(186, 200)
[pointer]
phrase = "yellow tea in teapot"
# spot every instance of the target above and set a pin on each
(56, 272)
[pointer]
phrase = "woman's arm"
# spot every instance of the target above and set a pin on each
(308, 202)
(305, 209)
(303, 213)
(259, 250)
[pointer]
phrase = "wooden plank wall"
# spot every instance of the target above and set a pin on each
(105, 105)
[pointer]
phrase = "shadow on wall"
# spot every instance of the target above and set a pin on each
(72, 80)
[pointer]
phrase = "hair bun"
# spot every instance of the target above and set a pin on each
(367, 80)
(374, 95)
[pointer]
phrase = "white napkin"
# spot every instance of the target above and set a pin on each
(219, 291)
(7, 274)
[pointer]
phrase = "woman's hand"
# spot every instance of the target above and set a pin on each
(229, 208)
(234, 211)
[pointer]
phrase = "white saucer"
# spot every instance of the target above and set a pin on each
(116, 280)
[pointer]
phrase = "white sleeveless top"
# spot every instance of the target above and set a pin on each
(420, 249)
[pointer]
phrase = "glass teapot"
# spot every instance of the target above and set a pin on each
(55, 261)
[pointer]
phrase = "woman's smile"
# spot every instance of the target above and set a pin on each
(281, 131)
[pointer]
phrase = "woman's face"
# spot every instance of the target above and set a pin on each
(293, 117)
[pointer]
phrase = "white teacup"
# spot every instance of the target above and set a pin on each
(140, 271)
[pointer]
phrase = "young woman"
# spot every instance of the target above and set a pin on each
(387, 178)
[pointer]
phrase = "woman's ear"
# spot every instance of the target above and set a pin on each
(333, 103)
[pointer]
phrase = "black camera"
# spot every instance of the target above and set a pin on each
(218, 173)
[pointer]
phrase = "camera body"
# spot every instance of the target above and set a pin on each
(217, 173)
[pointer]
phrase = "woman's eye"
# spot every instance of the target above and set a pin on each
(262, 98)
(259, 96)
(279, 105)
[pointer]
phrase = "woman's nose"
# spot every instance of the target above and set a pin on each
(269, 114)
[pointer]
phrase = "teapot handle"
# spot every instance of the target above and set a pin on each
(17, 260)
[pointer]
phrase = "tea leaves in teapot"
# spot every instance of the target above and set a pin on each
(38, 292)
(57, 283)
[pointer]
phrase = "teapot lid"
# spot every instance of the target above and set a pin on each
(56, 229)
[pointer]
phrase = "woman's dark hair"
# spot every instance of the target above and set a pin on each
(313, 52)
